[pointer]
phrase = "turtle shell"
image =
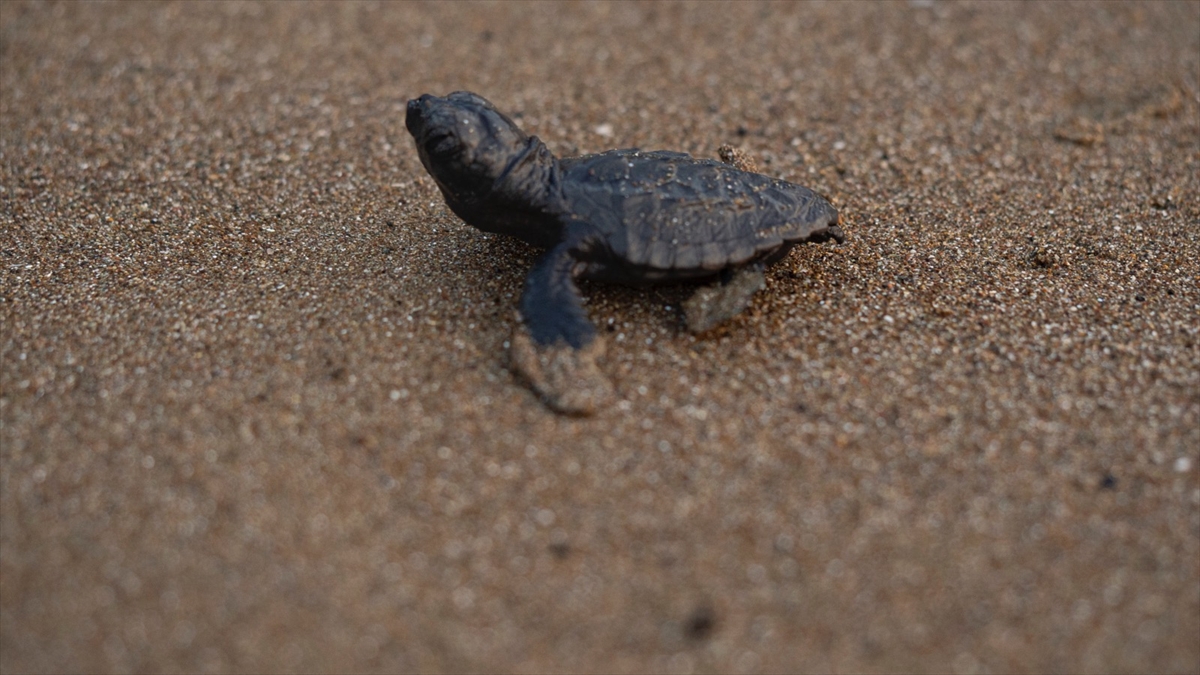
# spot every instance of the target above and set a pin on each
(670, 212)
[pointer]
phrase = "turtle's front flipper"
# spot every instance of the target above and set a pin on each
(712, 305)
(556, 347)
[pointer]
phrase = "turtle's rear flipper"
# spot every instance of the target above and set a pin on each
(556, 348)
(737, 158)
(713, 305)
(832, 232)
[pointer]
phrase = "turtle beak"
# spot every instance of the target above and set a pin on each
(414, 119)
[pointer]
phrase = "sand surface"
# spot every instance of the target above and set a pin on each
(257, 410)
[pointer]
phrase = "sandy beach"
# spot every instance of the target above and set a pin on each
(257, 414)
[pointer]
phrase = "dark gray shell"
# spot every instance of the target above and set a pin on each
(671, 212)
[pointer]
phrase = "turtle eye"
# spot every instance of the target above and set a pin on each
(443, 143)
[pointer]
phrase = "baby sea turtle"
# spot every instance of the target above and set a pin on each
(624, 216)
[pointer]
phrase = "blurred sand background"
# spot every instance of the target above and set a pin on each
(256, 413)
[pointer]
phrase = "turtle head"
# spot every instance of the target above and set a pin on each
(465, 143)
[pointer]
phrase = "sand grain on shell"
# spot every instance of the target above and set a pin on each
(256, 410)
